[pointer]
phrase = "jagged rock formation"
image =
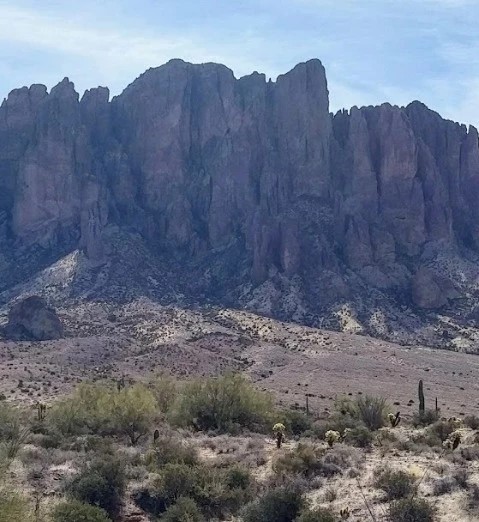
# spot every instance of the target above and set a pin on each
(245, 183)
(33, 320)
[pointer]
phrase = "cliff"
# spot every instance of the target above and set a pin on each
(243, 183)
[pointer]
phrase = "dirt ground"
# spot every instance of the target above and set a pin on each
(143, 338)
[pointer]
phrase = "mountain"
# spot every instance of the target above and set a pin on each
(198, 188)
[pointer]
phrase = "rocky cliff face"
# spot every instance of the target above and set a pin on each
(247, 185)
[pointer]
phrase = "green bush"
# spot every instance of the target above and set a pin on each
(317, 515)
(131, 411)
(216, 492)
(97, 409)
(276, 505)
(395, 484)
(224, 404)
(411, 510)
(360, 437)
(165, 390)
(296, 422)
(75, 511)
(13, 508)
(170, 450)
(101, 483)
(81, 413)
(185, 510)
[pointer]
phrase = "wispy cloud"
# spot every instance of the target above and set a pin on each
(373, 50)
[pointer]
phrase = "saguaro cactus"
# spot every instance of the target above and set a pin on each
(422, 407)
(41, 411)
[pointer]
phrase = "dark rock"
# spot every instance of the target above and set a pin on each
(32, 319)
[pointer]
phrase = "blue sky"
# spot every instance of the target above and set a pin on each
(373, 50)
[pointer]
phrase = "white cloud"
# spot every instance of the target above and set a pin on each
(114, 55)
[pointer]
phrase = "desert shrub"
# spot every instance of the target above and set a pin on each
(472, 421)
(330, 494)
(75, 511)
(130, 411)
(470, 453)
(395, 484)
(165, 390)
(12, 434)
(317, 515)
(372, 411)
(411, 510)
(341, 456)
(9, 422)
(441, 429)
(336, 422)
(13, 508)
(296, 422)
(98, 409)
(170, 450)
(309, 461)
(81, 413)
(216, 492)
(224, 404)
(425, 418)
(175, 481)
(360, 437)
(365, 410)
(443, 485)
(276, 505)
(304, 459)
(185, 510)
(238, 478)
(101, 483)
(461, 477)
(473, 498)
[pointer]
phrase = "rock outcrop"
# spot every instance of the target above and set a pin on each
(33, 320)
(251, 178)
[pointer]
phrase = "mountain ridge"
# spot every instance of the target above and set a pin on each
(252, 191)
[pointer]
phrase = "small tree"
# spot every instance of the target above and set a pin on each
(225, 404)
(131, 411)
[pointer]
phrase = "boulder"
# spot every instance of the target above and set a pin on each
(33, 320)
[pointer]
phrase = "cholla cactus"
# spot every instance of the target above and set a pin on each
(278, 430)
(394, 420)
(455, 422)
(331, 437)
(453, 441)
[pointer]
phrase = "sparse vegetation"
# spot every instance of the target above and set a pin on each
(277, 505)
(396, 484)
(126, 445)
(412, 510)
(101, 483)
(75, 511)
